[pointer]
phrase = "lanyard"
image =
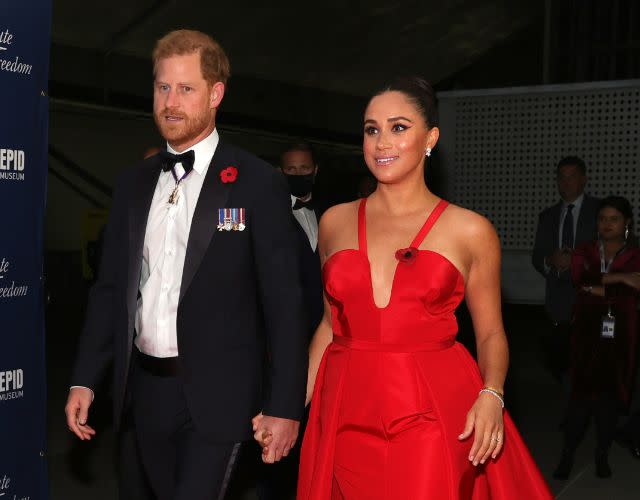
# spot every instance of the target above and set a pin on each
(604, 267)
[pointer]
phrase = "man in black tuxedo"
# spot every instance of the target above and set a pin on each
(195, 284)
(561, 228)
(299, 166)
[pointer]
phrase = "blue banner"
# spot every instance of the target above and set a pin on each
(24, 68)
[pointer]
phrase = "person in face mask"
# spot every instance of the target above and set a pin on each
(299, 166)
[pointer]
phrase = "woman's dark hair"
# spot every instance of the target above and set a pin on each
(623, 206)
(419, 92)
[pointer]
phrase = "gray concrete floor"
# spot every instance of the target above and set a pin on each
(85, 470)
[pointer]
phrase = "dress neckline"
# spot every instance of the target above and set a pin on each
(417, 241)
(419, 238)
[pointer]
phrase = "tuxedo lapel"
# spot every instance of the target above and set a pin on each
(214, 195)
(555, 225)
(142, 195)
(584, 225)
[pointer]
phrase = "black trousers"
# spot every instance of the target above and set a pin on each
(179, 463)
(605, 414)
(132, 480)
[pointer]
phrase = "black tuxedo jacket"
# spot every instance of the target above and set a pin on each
(559, 292)
(311, 279)
(238, 297)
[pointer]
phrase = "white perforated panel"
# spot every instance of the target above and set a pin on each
(500, 148)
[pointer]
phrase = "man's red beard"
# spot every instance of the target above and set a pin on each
(183, 130)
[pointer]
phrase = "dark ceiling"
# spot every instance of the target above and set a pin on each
(306, 65)
(348, 47)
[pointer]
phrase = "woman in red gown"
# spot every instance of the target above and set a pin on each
(399, 409)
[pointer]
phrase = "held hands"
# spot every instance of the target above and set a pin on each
(275, 435)
(484, 420)
(77, 411)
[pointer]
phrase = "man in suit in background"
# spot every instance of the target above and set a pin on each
(299, 166)
(195, 284)
(561, 228)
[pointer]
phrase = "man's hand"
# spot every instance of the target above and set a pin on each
(77, 411)
(560, 260)
(276, 436)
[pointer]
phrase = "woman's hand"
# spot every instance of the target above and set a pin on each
(612, 278)
(484, 420)
(262, 437)
(597, 290)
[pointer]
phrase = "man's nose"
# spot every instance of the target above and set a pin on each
(171, 99)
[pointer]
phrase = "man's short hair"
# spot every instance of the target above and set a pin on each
(572, 160)
(213, 60)
(303, 146)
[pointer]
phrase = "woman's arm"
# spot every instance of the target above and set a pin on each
(632, 280)
(321, 339)
(324, 333)
(484, 302)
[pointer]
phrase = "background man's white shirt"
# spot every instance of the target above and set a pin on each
(309, 222)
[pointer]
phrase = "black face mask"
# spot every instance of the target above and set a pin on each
(300, 185)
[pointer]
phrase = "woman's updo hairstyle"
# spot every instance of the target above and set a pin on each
(419, 92)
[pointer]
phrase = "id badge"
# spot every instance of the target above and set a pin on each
(608, 327)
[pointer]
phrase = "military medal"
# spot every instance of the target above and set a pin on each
(175, 194)
(173, 197)
(231, 219)
(220, 219)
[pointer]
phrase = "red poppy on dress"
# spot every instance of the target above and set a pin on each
(407, 255)
(229, 174)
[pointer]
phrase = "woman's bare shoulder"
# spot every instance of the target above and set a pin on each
(470, 224)
(334, 222)
(337, 213)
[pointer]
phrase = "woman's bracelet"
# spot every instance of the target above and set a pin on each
(495, 389)
(494, 393)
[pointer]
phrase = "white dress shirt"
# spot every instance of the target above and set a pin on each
(165, 247)
(309, 222)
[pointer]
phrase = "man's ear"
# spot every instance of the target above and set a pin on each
(216, 94)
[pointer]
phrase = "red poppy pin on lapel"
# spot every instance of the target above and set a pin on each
(229, 175)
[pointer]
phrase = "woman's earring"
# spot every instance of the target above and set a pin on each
(626, 233)
(427, 152)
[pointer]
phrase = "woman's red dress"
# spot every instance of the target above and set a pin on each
(394, 388)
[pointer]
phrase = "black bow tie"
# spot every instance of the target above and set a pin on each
(169, 161)
(303, 204)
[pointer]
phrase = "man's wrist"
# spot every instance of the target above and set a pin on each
(84, 387)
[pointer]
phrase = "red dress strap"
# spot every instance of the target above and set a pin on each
(362, 226)
(431, 220)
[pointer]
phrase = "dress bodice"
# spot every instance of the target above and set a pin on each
(426, 290)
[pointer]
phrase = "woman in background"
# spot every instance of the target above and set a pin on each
(604, 333)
